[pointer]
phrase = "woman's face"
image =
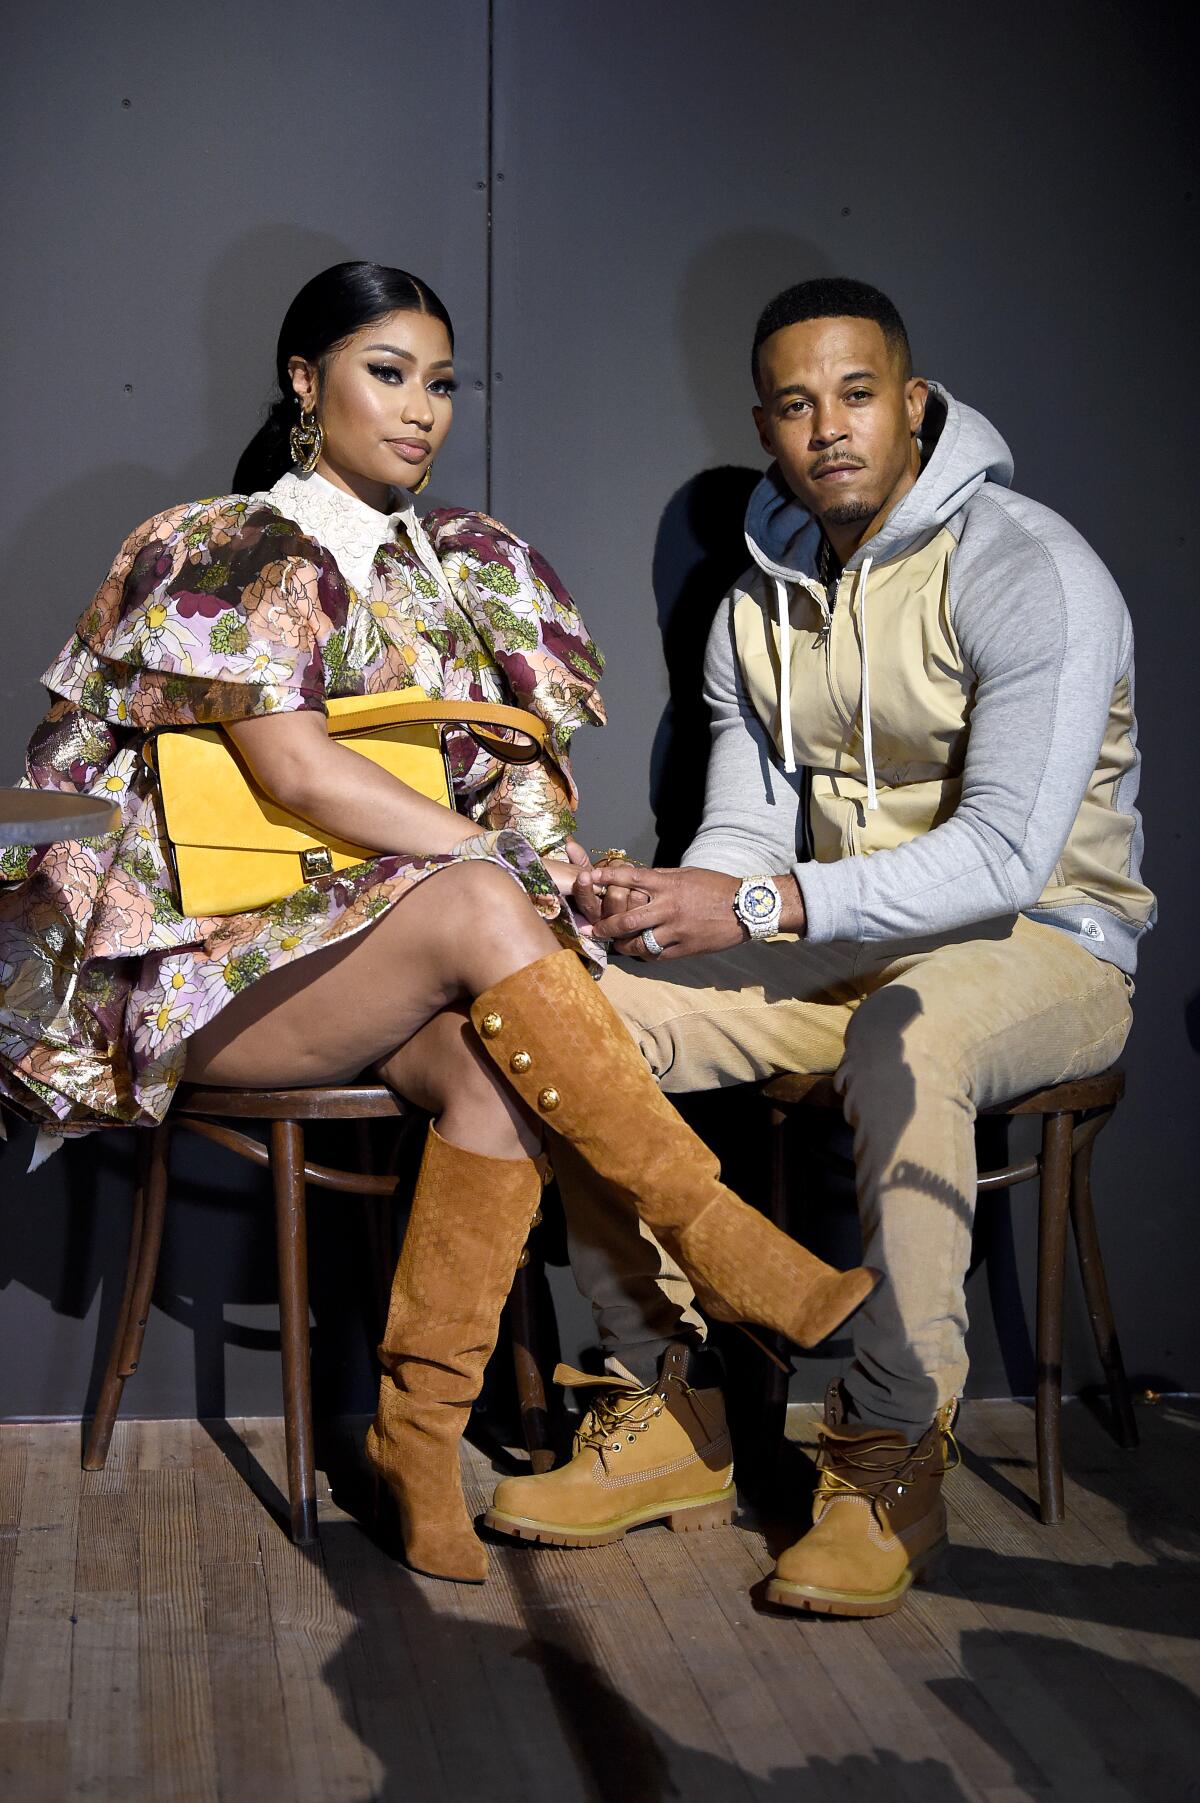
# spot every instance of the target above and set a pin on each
(384, 400)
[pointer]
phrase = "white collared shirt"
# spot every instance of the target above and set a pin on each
(348, 528)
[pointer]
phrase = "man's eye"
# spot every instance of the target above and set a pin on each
(859, 394)
(794, 407)
(386, 372)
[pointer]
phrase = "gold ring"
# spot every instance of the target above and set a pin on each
(616, 854)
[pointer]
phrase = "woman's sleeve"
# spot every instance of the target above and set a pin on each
(210, 613)
(532, 630)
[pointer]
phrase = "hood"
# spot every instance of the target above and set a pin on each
(962, 450)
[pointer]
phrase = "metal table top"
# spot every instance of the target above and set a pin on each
(43, 816)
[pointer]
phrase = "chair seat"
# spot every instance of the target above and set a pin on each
(321, 1102)
(1104, 1091)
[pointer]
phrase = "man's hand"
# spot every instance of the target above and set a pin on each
(688, 911)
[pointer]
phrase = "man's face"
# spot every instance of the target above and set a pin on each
(840, 419)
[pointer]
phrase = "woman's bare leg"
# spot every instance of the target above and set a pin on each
(393, 997)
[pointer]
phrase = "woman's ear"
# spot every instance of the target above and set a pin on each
(304, 381)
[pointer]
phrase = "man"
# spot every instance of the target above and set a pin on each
(917, 869)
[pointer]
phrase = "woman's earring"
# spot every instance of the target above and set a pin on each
(305, 440)
(424, 482)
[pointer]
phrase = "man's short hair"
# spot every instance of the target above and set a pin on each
(833, 297)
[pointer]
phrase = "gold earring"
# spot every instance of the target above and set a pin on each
(305, 441)
(424, 482)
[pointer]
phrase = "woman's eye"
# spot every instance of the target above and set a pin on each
(444, 385)
(386, 372)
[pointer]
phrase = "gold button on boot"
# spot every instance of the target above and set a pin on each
(879, 1520)
(641, 1454)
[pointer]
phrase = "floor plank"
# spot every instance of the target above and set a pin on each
(180, 1745)
(36, 1682)
(105, 1734)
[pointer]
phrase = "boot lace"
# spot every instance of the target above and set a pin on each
(860, 1477)
(623, 1412)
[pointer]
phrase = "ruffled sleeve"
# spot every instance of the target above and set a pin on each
(532, 630)
(212, 611)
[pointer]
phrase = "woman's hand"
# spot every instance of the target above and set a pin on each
(566, 872)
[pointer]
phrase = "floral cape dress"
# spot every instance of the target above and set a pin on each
(225, 609)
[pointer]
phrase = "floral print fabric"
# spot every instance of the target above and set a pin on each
(221, 610)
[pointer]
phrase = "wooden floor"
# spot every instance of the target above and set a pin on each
(163, 1640)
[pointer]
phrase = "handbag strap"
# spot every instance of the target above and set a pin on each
(475, 716)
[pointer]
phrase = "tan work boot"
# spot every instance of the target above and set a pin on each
(879, 1521)
(566, 1051)
(470, 1218)
(641, 1454)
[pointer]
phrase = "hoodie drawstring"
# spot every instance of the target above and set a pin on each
(785, 680)
(868, 744)
(785, 674)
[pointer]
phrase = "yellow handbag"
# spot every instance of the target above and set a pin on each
(235, 849)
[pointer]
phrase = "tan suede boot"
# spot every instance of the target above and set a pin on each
(564, 1048)
(470, 1218)
(641, 1454)
(879, 1520)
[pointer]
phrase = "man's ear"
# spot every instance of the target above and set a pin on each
(916, 395)
(760, 426)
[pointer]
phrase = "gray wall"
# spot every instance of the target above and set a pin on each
(1021, 181)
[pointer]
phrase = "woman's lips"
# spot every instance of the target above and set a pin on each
(411, 449)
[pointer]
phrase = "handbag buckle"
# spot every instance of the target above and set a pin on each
(316, 862)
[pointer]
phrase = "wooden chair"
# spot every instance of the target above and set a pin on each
(1072, 1114)
(220, 1115)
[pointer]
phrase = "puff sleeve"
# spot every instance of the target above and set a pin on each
(533, 632)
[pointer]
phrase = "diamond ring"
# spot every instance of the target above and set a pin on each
(651, 943)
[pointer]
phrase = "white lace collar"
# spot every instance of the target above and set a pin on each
(347, 527)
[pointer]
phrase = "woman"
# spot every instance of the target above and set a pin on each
(473, 999)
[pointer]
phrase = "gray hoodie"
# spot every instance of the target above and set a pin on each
(962, 749)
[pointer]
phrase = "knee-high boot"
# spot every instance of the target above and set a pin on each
(470, 1218)
(566, 1051)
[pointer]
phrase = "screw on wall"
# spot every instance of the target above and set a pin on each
(845, 212)
(129, 387)
(127, 104)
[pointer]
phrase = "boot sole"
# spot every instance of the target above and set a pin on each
(811, 1599)
(684, 1515)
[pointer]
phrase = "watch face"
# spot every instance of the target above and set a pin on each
(758, 902)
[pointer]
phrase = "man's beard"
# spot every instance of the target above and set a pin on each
(849, 513)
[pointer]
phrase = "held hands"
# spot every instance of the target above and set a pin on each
(687, 911)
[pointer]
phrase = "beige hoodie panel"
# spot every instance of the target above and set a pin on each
(920, 698)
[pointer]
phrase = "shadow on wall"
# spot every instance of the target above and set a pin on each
(245, 293)
(700, 550)
(63, 1236)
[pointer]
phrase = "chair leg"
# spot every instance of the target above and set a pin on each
(141, 1269)
(775, 1383)
(525, 1329)
(291, 1240)
(1053, 1210)
(1095, 1289)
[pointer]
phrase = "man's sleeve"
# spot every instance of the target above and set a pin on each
(1044, 629)
(751, 808)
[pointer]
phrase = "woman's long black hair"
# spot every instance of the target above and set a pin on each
(328, 309)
